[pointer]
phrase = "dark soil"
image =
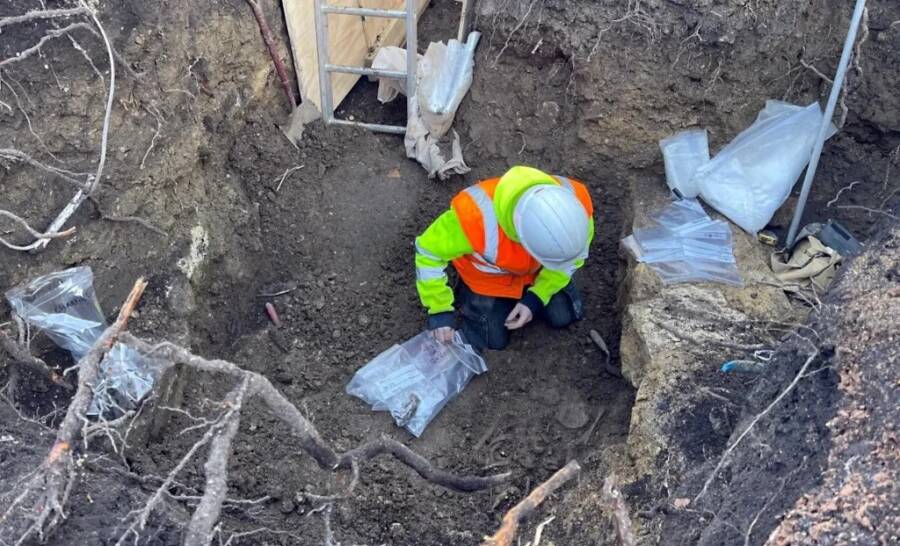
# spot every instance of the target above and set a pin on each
(823, 455)
(555, 92)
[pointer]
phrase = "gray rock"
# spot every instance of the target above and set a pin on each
(572, 413)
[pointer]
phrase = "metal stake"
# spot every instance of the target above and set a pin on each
(412, 55)
(826, 120)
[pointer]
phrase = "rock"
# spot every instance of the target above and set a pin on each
(572, 413)
(283, 376)
(549, 112)
(671, 340)
(286, 506)
(397, 530)
(363, 320)
(180, 300)
(718, 418)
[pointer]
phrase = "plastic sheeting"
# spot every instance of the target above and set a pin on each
(445, 76)
(415, 380)
(390, 58)
(683, 154)
(751, 177)
(64, 306)
(686, 245)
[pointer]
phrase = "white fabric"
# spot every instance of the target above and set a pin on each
(444, 78)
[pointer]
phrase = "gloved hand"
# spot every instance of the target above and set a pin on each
(520, 316)
(443, 334)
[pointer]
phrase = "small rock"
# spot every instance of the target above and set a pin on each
(336, 334)
(681, 503)
(549, 111)
(397, 530)
(572, 414)
(364, 320)
(284, 377)
(718, 418)
(287, 506)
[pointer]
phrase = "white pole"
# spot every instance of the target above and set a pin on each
(826, 120)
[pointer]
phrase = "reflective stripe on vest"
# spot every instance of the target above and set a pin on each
(486, 267)
(424, 252)
(491, 226)
(429, 273)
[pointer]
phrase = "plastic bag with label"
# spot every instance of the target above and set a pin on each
(415, 380)
(65, 307)
(686, 245)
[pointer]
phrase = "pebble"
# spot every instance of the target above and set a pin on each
(336, 334)
(364, 320)
(397, 529)
(572, 414)
(287, 506)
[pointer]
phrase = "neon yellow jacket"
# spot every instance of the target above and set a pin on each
(444, 240)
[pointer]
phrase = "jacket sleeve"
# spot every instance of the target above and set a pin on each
(549, 282)
(443, 241)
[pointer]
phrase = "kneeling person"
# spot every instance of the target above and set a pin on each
(515, 242)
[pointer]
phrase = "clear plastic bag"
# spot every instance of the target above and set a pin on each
(683, 154)
(445, 76)
(686, 245)
(415, 380)
(751, 177)
(65, 307)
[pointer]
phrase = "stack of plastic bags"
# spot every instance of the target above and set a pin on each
(415, 380)
(686, 245)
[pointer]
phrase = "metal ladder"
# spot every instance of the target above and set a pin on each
(322, 10)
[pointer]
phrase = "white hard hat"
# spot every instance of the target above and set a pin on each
(552, 225)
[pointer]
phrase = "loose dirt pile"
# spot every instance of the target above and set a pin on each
(579, 88)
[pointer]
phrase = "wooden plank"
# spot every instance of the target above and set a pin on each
(352, 40)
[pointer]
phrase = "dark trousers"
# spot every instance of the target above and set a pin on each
(483, 317)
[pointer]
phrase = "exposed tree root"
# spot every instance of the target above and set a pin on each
(616, 504)
(511, 521)
(40, 500)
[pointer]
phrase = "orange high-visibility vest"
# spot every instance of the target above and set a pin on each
(499, 267)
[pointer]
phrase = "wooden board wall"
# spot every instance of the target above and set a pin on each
(353, 40)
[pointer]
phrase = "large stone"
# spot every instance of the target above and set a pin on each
(675, 337)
